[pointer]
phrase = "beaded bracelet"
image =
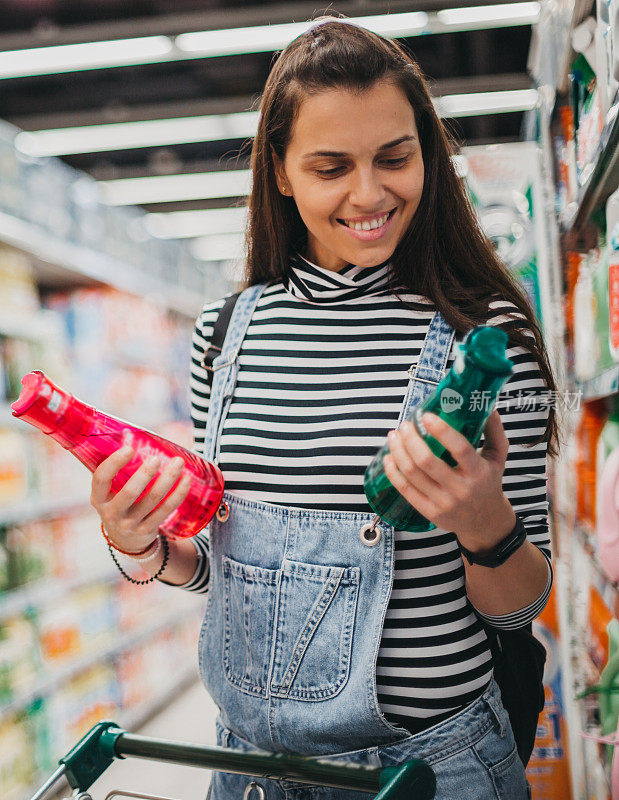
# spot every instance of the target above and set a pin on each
(166, 553)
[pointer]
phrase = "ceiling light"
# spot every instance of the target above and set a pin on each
(86, 55)
(180, 224)
(255, 39)
(224, 247)
(175, 188)
(480, 103)
(266, 38)
(127, 135)
(482, 16)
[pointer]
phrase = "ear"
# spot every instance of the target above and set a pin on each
(280, 172)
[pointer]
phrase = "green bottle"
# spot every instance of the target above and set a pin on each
(465, 399)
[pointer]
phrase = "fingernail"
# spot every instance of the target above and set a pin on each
(177, 462)
(407, 426)
(391, 435)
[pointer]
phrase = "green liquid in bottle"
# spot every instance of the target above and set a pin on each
(464, 399)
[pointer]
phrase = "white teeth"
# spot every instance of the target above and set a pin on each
(367, 226)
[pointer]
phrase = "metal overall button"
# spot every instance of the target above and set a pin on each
(248, 794)
(370, 533)
(223, 512)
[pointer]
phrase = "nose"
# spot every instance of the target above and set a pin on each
(366, 189)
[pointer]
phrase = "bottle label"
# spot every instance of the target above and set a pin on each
(54, 401)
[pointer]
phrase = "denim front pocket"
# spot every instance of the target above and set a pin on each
(316, 618)
(249, 608)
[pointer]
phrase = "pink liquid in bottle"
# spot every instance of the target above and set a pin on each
(92, 436)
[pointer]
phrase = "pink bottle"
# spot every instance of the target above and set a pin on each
(93, 436)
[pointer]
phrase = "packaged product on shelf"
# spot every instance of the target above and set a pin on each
(584, 321)
(13, 468)
(19, 657)
(29, 550)
(591, 423)
(566, 157)
(18, 290)
(79, 548)
(80, 703)
(12, 184)
(16, 757)
(588, 111)
(504, 185)
(47, 196)
(607, 497)
(604, 56)
(612, 234)
(97, 614)
(60, 635)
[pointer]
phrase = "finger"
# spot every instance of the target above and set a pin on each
(405, 451)
(496, 443)
(104, 474)
(458, 445)
(417, 499)
(157, 517)
(133, 488)
(434, 467)
(169, 475)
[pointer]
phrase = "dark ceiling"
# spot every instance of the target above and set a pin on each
(470, 61)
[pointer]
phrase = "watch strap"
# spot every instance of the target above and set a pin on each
(502, 551)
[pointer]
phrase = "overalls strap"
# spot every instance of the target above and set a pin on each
(225, 368)
(430, 368)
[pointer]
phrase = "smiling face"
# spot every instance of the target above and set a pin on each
(352, 159)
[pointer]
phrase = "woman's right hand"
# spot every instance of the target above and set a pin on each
(134, 525)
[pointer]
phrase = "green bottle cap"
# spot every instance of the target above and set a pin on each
(484, 346)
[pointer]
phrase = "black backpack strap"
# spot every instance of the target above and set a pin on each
(219, 336)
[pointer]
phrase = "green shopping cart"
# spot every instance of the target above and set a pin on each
(105, 742)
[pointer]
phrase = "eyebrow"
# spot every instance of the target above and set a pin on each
(337, 154)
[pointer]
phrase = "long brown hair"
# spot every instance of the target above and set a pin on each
(461, 271)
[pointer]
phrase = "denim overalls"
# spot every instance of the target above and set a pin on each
(293, 624)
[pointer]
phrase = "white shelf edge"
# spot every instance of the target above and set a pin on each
(81, 261)
(33, 508)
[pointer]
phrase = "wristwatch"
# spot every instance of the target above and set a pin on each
(502, 551)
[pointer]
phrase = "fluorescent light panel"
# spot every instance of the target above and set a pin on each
(182, 224)
(224, 247)
(241, 125)
(87, 55)
(256, 39)
(128, 135)
(175, 188)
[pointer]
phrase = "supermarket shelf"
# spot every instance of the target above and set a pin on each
(37, 508)
(57, 260)
(125, 641)
(605, 176)
(608, 588)
(38, 593)
(601, 385)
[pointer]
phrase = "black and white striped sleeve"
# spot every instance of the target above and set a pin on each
(523, 405)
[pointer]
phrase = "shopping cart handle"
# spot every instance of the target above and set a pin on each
(88, 760)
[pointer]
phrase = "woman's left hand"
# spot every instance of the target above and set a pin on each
(467, 499)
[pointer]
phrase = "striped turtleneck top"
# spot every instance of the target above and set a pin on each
(322, 378)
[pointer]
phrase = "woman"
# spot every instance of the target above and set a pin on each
(364, 258)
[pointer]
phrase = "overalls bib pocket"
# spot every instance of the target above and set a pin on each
(300, 618)
(315, 626)
(250, 595)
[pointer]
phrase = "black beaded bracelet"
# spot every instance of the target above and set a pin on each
(166, 553)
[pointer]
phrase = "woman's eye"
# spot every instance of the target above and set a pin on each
(395, 161)
(391, 162)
